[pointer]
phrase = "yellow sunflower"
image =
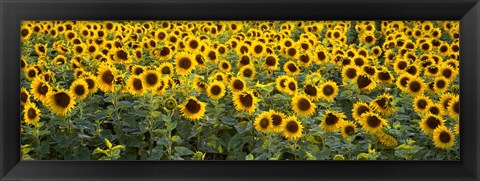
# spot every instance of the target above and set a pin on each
(137, 69)
(24, 96)
(60, 102)
(350, 72)
(430, 122)
(443, 137)
(454, 107)
(278, 121)
(151, 79)
(245, 101)
(40, 89)
(384, 76)
(193, 109)
(302, 105)
(365, 83)
(359, 108)
(237, 84)
(292, 128)
(216, 90)
(258, 49)
(31, 73)
(291, 68)
(184, 63)
(382, 105)
(386, 139)
(79, 89)
(328, 90)
(372, 122)
(402, 81)
(441, 84)
(271, 62)
(247, 71)
(31, 113)
(280, 82)
(400, 65)
(106, 77)
(445, 100)
(263, 123)
(421, 103)
(333, 121)
(311, 91)
(348, 128)
(40, 49)
(166, 68)
(291, 86)
(415, 86)
(92, 82)
(225, 66)
(136, 86)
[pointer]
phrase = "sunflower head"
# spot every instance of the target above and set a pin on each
(350, 72)
(184, 63)
(237, 84)
(247, 71)
(60, 102)
(193, 109)
(421, 104)
(79, 88)
(302, 105)
(454, 107)
(281, 82)
(382, 104)
(292, 128)
(291, 86)
(263, 123)
(332, 121)
(359, 108)
(386, 139)
(328, 90)
(291, 68)
(225, 66)
(312, 91)
(106, 77)
(136, 85)
(24, 96)
(372, 122)
(365, 83)
(430, 122)
(31, 113)
(245, 101)
(278, 120)
(40, 89)
(216, 90)
(151, 79)
(415, 86)
(443, 137)
(271, 62)
(348, 128)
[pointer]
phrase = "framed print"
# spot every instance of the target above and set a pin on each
(241, 90)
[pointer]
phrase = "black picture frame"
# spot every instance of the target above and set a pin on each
(13, 11)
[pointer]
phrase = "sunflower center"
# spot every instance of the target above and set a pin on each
(447, 73)
(292, 68)
(404, 81)
(43, 89)
(362, 109)
(245, 60)
(434, 110)
(246, 100)
(444, 137)
(310, 90)
(412, 70)
(79, 90)
(247, 73)
(433, 70)
(276, 120)
(258, 49)
(331, 119)
(137, 84)
(441, 84)
(384, 76)
(292, 52)
(31, 113)
(321, 56)
(185, 63)
(24, 32)
(107, 77)
(264, 123)
(359, 62)
(31, 73)
(422, 104)
(90, 83)
(304, 58)
(369, 39)
(351, 73)
(402, 65)
(225, 65)
(432, 122)
(42, 49)
(238, 84)
(369, 70)
(292, 86)
(456, 107)
(373, 121)
(415, 86)
(193, 44)
(303, 104)
(292, 127)
(382, 102)
(164, 52)
(363, 81)
(270, 61)
(138, 71)
(23, 97)
(216, 90)
(349, 130)
(193, 106)
(62, 99)
(282, 83)
(152, 79)
(328, 90)
(212, 55)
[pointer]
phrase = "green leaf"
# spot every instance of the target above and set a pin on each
(181, 151)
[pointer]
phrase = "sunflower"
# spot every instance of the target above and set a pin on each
(402, 81)
(184, 63)
(162, 87)
(31, 73)
(350, 72)
(247, 71)
(365, 83)
(165, 53)
(278, 121)
(400, 65)
(193, 109)
(372, 122)
(79, 89)
(60, 60)
(421, 103)
(40, 49)
(445, 100)
(382, 104)
(25, 32)
(305, 59)
(31, 113)
(292, 129)
(448, 72)
(166, 68)
(332, 121)
(302, 105)
(311, 91)
(192, 44)
(415, 86)
(91, 82)
(40, 89)
(443, 137)
(369, 70)
(237, 84)
(384, 76)
(244, 61)
(211, 55)
(258, 49)
(263, 123)
(216, 90)
(245, 101)
(151, 78)
(136, 85)
(328, 90)
(321, 55)
(454, 107)
(291, 52)
(24, 96)
(280, 82)
(225, 66)
(106, 77)
(271, 62)
(386, 139)
(60, 102)
(291, 86)
(291, 68)
(348, 128)
(435, 109)
(430, 122)
(359, 108)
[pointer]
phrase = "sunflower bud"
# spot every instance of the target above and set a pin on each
(362, 156)
(338, 157)
(198, 156)
(171, 103)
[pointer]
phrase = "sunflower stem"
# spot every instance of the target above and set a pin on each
(295, 149)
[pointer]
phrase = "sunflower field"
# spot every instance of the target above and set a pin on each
(239, 90)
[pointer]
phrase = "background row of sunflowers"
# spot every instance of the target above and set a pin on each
(236, 90)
